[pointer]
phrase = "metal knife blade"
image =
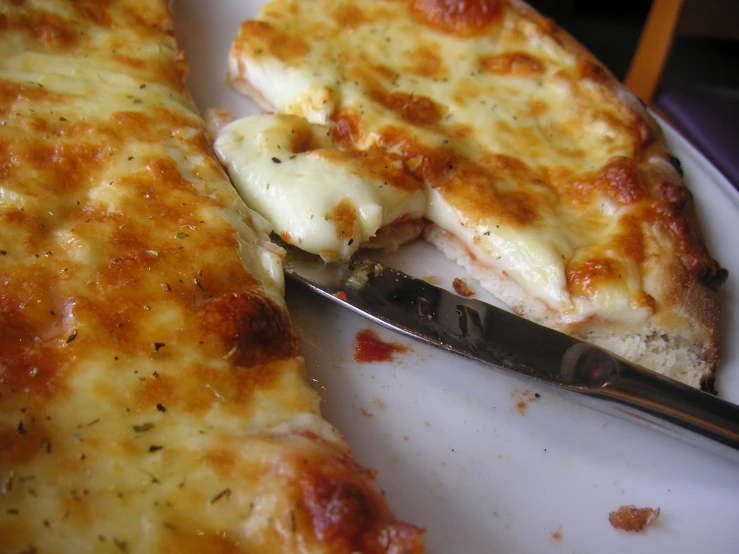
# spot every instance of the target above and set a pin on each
(503, 340)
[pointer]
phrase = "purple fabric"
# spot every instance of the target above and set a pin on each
(710, 119)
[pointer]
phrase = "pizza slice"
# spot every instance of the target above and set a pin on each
(544, 177)
(152, 394)
(323, 198)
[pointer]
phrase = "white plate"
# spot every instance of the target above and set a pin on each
(453, 452)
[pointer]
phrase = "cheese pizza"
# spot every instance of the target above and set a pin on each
(544, 177)
(152, 395)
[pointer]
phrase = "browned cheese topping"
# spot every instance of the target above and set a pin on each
(151, 394)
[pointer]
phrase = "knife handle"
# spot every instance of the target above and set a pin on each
(679, 410)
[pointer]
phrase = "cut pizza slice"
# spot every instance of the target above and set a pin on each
(152, 394)
(326, 199)
(545, 178)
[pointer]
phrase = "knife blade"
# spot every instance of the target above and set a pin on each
(586, 373)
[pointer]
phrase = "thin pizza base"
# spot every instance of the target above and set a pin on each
(550, 176)
(152, 395)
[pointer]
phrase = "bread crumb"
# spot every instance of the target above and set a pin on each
(633, 519)
(557, 535)
(341, 295)
(461, 287)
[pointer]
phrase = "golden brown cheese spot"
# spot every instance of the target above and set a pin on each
(389, 167)
(136, 124)
(585, 277)
(342, 509)
(337, 509)
(11, 92)
(514, 169)
(184, 539)
(629, 239)
(349, 16)
(135, 63)
(259, 330)
(68, 165)
(382, 71)
(475, 192)
(464, 18)
(620, 179)
(347, 127)
(94, 11)
(413, 108)
(512, 63)
(375, 163)
(6, 162)
(344, 218)
(302, 138)
(501, 163)
(223, 461)
(266, 38)
(426, 61)
(593, 72)
(462, 131)
(51, 30)
(32, 352)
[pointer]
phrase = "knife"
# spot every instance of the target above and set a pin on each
(587, 374)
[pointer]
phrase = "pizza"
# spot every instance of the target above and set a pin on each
(544, 177)
(152, 393)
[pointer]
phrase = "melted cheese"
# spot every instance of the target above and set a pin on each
(152, 398)
(525, 156)
(318, 197)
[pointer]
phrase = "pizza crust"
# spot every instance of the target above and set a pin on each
(674, 347)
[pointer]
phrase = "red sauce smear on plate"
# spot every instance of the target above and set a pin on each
(368, 347)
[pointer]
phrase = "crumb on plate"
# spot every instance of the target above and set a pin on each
(462, 288)
(633, 519)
